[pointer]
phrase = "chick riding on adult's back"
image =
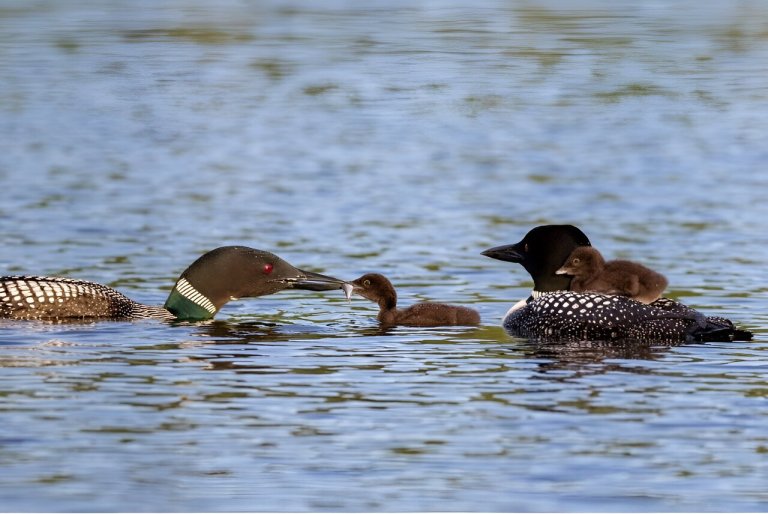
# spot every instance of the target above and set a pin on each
(552, 312)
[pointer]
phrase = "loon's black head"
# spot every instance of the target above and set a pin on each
(231, 272)
(541, 252)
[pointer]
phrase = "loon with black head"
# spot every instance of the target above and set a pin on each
(216, 277)
(552, 312)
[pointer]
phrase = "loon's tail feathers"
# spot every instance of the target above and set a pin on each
(722, 335)
(705, 328)
(718, 330)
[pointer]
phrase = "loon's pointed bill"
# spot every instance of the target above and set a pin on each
(312, 281)
(508, 253)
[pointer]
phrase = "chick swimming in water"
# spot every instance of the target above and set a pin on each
(379, 289)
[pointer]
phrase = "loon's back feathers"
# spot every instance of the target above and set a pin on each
(710, 328)
(33, 297)
(567, 315)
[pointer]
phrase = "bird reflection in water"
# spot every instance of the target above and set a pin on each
(593, 357)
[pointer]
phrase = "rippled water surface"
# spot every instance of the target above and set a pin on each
(402, 138)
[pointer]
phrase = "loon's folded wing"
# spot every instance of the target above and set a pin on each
(566, 315)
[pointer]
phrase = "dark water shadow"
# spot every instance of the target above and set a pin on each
(583, 358)
(249, 332)
(579, 358)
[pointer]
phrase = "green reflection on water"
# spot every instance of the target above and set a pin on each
(544, 57)
(199, 35)
(601, 41)
(319, 89)
(632, 90)
(54, 479)
(67, 45)
(272, 68)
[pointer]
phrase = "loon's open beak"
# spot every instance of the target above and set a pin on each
(509, 253)
(316, 282)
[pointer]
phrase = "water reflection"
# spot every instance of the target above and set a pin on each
(251, 346)
(224, 332)
(590, 357)
(247, 332)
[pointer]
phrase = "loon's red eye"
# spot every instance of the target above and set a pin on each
(268, 268)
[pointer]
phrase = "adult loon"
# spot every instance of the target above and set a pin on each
(590, 272)
(379, 289)
(555, 313)
(216, 277)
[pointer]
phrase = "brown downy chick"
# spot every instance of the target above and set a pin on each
(592, 273)
(379, 289)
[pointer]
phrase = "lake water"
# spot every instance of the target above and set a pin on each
(394, 137)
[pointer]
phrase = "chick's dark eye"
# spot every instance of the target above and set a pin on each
(267, 269)
(526, 248)
(576, 260)
(366, 283)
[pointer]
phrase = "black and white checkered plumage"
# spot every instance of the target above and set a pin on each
(54, 298)
(566, 315)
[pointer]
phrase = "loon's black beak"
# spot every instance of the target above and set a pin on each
(509, 253)
(316, 282)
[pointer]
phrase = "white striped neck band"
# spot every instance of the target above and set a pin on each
(193, 295)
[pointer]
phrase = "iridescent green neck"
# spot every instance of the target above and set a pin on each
(188, 304)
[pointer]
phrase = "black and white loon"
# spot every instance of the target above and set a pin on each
(216, 277)
(555, 313)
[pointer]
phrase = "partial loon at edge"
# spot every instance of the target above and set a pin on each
(216, 277)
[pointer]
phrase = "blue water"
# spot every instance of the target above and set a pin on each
(392, 137)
